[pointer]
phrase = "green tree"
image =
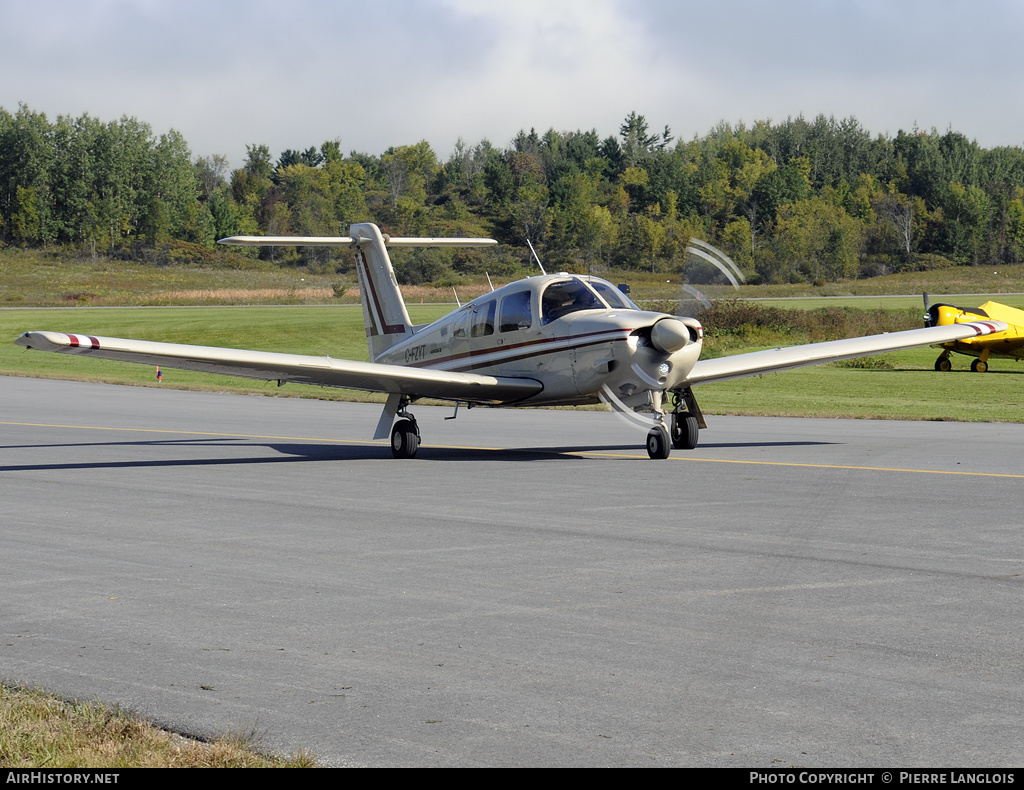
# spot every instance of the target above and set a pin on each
(24, 223)
(26, 154)
(814, 240)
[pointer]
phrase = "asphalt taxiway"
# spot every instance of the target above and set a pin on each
(532, 590)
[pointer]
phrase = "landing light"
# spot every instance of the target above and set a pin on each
(664, 368)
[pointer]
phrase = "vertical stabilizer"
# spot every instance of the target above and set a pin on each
(387, 320)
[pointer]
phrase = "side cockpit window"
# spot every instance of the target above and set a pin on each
(515, 312)
(483, 320)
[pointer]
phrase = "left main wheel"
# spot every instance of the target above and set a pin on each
(405, 439)
(658, 442)
(979, 367)
(684, 431)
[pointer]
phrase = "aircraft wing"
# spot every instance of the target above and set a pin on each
(268, 366)
(776, 359)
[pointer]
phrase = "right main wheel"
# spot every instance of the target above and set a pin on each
(405, 439)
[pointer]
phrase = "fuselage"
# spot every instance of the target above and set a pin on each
(574, 334)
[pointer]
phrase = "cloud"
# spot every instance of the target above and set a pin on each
(393, 72)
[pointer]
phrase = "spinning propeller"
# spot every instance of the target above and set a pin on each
(670, 335)
(701, 251)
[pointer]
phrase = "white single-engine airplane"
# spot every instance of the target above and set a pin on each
(554, 339)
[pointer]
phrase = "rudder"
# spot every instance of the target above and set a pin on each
(384, 311)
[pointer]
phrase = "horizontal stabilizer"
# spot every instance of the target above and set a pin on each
(349, 241)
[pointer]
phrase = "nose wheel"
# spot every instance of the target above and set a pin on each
(658, 442)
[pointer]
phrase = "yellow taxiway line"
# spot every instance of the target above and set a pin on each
(589, 453)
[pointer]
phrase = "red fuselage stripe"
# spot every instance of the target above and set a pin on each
(609, 335)
(519, 358)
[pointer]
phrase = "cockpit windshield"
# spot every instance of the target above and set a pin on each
(612, 295)
(569, 296)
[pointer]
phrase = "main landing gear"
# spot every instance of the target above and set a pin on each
(405, 439)
(405, 435)
(980, 365)
(684, 430)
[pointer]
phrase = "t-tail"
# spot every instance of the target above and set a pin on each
(387, 319)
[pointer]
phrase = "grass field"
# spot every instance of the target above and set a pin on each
(34, 278)
(41, 731)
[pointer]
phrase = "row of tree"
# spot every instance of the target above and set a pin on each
(798, 200)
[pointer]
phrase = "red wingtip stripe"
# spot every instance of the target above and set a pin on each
(76, 342)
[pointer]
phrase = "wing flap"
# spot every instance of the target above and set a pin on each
(297, 368)
(777, 359)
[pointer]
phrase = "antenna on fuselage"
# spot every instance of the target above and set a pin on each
(489, 280)
(536, 258)
(456, 296)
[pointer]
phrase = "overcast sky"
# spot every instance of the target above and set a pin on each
(294, 73)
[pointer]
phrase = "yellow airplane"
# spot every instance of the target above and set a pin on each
(1009, 343)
